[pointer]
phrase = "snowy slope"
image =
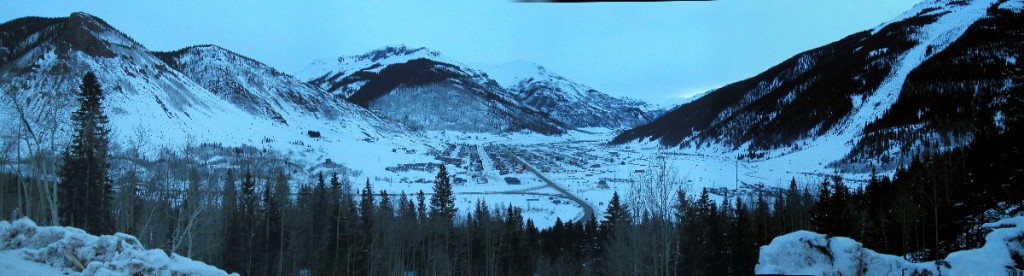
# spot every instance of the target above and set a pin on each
(140, 89)
(28, 249)
(572, 103)
(965, 76)
(814, 107)
(269, 94)
(809, 253)
(147, 98)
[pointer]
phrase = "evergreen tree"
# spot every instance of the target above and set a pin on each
(703, 237)
(520, 260)
(687, 228)
(792, 213)
(366, 205)
(368, 211)
(346, 234)
(442, 202)
(821, 213)
(743, 250)
(247, 214)
(85, 190)
(333, 226)
(761, 216)
(385, 209)
(843, 217)
(232, 236)
(279, 237)
(421, 206)
(306, 247)
(616, 214)
(270, 230)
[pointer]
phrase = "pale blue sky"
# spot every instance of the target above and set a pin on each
(650, 51)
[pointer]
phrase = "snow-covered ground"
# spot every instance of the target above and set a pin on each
(809, 253)
(28, 249)
(12, 262)
(483, 164)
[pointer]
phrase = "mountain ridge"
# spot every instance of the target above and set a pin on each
(534, 90)
(257, 87)
(575, 104)
(434, 95)
(824, 97)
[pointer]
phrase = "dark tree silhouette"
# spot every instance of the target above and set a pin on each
(85, 191)
(442, 202)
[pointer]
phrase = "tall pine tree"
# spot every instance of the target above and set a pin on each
(616, 214)
(231, 231)
(247, 215)
(85, 191)
(442, 202)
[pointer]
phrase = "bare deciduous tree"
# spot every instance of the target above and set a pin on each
(653, 197)
(35, 143)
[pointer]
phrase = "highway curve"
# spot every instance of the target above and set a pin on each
(588, 210)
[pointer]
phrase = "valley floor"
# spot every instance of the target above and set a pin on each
(497, 170)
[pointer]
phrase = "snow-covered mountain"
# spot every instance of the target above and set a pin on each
(265, 92)
(570, 102)
(427, 94)
(340, 75)
(216, 97)
(140, 88)
(875, 98)
(417, 88)
(535, 98)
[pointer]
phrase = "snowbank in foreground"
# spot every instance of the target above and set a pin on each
(810, 253)
(117, 254)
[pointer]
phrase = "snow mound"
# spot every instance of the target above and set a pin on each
(809, 253)
(117, 254)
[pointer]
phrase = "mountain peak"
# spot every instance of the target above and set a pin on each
(377, 58)
(83, 15)
(88, 22)
(511, 73)
(210, 47)
(207, 51)
(93, 36)
(575, 104)
(396, 50)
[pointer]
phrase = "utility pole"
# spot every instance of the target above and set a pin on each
(737, 166)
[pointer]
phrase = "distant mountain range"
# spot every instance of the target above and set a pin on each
(193, 93)
(210, 94)
(877, 98)
(484, 99)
